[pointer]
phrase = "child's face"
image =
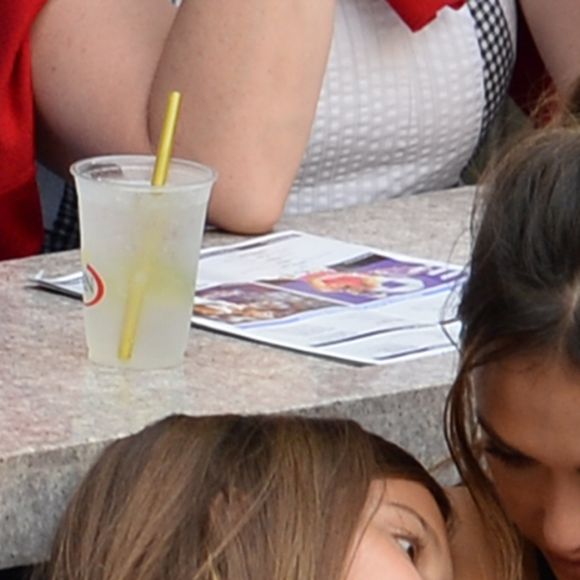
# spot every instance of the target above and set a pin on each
(529, 409)
(402, 535)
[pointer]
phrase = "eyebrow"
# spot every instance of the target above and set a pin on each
(500, 442)
(491, 433)
(422, 521)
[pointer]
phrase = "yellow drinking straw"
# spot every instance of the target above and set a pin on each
(165, 147)
(139, 282)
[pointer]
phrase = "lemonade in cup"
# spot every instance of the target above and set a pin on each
(140, 247)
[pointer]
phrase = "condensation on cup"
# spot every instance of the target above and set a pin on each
(140, 249)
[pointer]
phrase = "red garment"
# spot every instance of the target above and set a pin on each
(21, 229)
(418, 13)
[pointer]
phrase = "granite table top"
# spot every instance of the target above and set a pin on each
(57, 410)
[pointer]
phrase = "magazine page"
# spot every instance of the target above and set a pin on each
(323, 296)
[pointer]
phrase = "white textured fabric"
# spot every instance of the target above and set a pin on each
(400, 112)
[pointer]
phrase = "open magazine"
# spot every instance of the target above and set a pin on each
(322, 296)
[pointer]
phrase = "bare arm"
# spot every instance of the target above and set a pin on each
(555, 27)
(250, 73)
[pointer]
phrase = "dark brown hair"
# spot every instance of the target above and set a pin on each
(227, 498)
(522, 294)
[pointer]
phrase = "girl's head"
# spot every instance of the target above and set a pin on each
(254, 498)
(516, 399)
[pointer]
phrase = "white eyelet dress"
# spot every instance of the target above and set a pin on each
(402, 112)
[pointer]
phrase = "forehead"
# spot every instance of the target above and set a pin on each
(533, 404)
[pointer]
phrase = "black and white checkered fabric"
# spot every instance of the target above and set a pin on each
(64, 234)
(497, 52)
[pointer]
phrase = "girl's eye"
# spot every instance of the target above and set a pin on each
(506, 457)
(408, 547)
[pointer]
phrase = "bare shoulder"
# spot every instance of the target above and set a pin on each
(473, 555)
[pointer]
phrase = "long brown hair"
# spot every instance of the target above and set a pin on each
(227, 498)
(523, 289)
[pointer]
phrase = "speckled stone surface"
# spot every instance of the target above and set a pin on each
(57, 410)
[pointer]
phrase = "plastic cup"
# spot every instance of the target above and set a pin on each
(140, 252)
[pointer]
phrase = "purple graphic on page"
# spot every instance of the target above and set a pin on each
(372, 277)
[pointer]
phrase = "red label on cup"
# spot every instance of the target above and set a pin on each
(94, 287)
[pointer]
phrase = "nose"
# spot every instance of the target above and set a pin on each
(561, 529)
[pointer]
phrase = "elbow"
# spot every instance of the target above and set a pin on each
(252, 211)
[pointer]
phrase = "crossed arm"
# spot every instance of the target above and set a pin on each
(250, 72)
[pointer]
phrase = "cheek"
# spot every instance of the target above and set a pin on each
(518, 492)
